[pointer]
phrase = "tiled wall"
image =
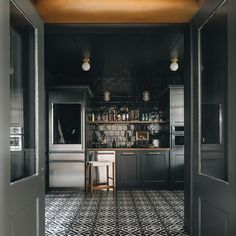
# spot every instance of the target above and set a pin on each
(117, 132)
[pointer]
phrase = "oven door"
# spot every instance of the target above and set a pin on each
(177, 140)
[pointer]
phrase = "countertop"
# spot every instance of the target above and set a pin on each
(127, 149)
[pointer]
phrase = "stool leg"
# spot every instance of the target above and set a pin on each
(91, 178)
(113, 177)
(108, 178)
(86, 179)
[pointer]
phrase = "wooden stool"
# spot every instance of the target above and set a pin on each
(89, 176)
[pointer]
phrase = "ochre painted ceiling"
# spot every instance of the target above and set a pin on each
(117, 11)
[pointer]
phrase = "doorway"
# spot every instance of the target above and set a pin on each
(125, 62)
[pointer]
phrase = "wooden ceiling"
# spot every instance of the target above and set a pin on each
(117, 11)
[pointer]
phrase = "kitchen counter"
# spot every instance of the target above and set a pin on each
(143, 167)
(127, 149)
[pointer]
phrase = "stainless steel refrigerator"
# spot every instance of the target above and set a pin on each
(67, 137)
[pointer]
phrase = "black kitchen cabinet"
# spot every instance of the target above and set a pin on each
(127, 164)
(177, 169)
(154, 168)
(142, 169)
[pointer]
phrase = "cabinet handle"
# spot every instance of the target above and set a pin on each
(128, 153)
(154, 153)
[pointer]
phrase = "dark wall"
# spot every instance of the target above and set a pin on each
(124, 61)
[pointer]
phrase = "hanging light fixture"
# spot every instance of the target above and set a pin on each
(174, 66)
(146, 96)
(106, 96)
(86, 64)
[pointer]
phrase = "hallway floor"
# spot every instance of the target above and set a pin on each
(157, 213)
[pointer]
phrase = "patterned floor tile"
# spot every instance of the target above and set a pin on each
(143, 213)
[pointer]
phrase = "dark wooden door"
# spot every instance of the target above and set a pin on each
(213, 119)
(27, 118)
(154, 168)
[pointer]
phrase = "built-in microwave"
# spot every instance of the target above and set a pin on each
(177, 137)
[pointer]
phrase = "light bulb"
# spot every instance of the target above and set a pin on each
(174, 66)
(86, 65)
(146, 96)
(106, 96)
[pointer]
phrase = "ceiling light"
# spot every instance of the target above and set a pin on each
(106, 96)
(146, 96)
(174, 66)
(86, 64)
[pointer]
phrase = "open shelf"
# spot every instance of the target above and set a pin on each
(127, 122)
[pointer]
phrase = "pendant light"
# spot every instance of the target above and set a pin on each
(106, 96)
(146, 96)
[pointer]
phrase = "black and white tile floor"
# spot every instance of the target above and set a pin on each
(147, 213)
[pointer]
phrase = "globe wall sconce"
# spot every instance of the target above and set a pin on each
(174, 66)
(86, 64)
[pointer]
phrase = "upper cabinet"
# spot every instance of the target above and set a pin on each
(176, 106)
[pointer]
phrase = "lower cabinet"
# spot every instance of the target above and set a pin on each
(177, 168)
(127, 165)
(154, 168)
(142, 169)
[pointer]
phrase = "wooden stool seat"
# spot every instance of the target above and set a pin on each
(100, 163)
(89, 176)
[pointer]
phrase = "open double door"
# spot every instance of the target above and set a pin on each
(21, 118)
(212, 120)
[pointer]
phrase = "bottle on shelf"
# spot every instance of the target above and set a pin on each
(114, 143)
(93, 117)
(123, 116)
(114, 116)
(143, 117)
(110, 116)
(127, 116)
(118, 116)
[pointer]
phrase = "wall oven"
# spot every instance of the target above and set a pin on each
(177, 137)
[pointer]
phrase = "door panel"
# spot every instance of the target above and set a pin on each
(4, 119)
(27, 140)
(176, 106)
(218, 223)
(27, 215)
(155, 168)
(177, 168)
(127, 169)
(213, 73)
(214, 109)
